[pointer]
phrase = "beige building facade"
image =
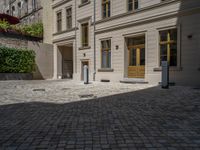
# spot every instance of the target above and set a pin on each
(127, 40)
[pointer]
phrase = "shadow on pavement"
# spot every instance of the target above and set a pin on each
(150, 118)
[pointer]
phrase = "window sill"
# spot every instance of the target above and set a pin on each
(105, 70)
(83, 4)
(170, 69)
(84, 48)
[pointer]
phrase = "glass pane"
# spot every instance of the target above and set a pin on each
(173, 55)
(163, 53)
(136, 4)
(104, 10)
(142, 56)
(173, 35)
(130, 5)
(109, 60)
(136, 41)
(163, 36)
(163, 49)
(104, 59)
(132, 57)
(109, 9)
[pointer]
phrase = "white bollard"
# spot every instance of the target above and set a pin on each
(86, 74)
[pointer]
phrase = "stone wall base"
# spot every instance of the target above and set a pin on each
(16, 76)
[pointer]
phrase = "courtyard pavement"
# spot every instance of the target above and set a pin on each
(99, 116)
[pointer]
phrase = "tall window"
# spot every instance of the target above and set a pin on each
(13, 11)
(132, 5)
(26, 6)
(105, 8)
(69, 18)
(85, 37)
(59, 21)
(19, 9)
(168, 46)
(106, 54)
(34, 4)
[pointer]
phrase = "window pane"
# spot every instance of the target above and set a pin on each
(108, 9)
(104, 59)
(142, 56)
(85, 35)
(163, 53)
(136, 4)
(132, 61)
(106, 53)
(109, 59)
(173, 35)
(173, 55)
(130, 5)
(163, 35)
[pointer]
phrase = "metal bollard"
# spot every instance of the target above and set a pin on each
(86, 74)
(165, 75)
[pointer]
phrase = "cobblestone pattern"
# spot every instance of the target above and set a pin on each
(150, 118)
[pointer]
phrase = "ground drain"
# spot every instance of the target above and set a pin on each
(38, 90)
(86, 96)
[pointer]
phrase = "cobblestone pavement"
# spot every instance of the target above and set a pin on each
(138, 117)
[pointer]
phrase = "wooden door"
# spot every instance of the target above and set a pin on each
(136, 68)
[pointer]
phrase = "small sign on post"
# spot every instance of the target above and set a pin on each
(86, 74)
(165, 75)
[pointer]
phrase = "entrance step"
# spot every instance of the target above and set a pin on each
(133, 81)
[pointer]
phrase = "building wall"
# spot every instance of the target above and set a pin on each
(151, 17)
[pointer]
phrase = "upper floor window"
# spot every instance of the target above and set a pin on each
(34, 4)
(69, 18)
(106, 54)
(19, 9)
(105, 8)
(132, 5)
(59, 21)
(13, 11)
(168, 46)
(84, 35)
(26, 6)
(84, 1)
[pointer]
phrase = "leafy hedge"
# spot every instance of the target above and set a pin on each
(34, 30)
(14, 60)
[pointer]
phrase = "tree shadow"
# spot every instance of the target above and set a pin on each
(150, 118)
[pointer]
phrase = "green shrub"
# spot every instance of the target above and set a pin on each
(4, 25)
(14, 60)
(35, 30)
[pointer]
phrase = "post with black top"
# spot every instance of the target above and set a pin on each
(165, 75)
(86, 74)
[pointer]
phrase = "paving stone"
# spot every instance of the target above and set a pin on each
(124, 116)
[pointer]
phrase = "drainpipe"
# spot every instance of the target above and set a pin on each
(94, 74)
(75, 51)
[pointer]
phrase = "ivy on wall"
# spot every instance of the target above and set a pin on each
(14, 60)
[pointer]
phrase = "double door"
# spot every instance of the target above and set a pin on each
(136, 68)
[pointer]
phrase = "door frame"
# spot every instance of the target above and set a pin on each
(140, 46)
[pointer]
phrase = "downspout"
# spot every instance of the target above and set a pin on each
(94, 74)
(75, 51)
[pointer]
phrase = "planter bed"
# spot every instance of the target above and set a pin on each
(16, 76)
